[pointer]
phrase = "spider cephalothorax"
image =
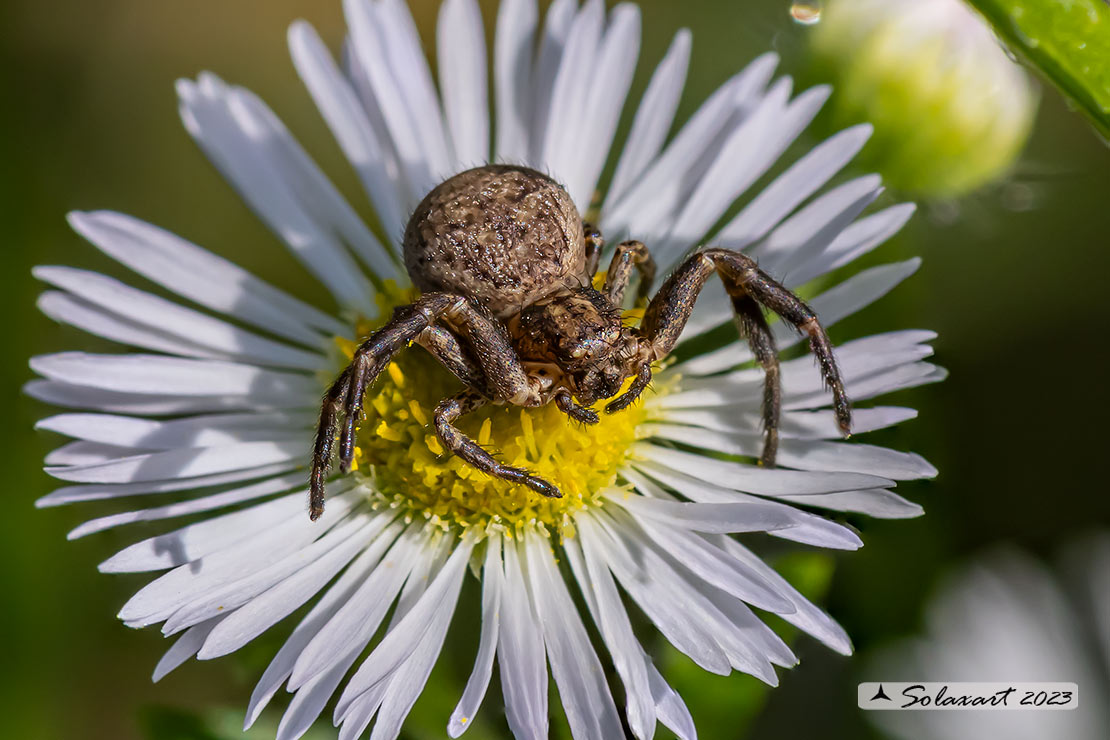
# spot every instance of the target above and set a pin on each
(505, 266)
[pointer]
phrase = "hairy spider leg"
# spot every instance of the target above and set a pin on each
(595, 243)
(458, 443)
(565, 403)
(331, 409)
(629, 255)
(453, 355)
(639, 385)
(503, 370)
(671, 307)
(753, 326)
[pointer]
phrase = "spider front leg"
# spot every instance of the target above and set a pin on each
(345, 394)
(749, 288)
(504, 375)
(629, 255)
(458, 443)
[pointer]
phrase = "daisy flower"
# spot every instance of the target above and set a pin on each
(219, 403)
(1006, 617)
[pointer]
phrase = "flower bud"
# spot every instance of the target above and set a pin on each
(951, 110)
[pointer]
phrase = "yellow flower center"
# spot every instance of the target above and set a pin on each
(407, 467)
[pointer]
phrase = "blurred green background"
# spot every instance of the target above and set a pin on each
(1014, 281)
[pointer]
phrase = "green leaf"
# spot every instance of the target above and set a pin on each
(1067, 40)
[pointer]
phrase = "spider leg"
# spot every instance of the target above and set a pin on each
(595, 242)
(446, 347)
(330, 412)
(345, 394)
(565, 402)
(639, 385)
(451, 409)
(671, 307)
(753, 325)
(628, 255)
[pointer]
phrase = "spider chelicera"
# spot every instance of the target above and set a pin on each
(504, 265)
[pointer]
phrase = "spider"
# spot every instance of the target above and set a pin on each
(504, 263)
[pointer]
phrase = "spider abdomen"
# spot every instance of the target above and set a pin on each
(500, 235)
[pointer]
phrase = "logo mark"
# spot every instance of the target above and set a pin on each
(880, 694)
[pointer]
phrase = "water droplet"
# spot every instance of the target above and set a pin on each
(806, 13)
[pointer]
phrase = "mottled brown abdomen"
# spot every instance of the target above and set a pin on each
(503, 236)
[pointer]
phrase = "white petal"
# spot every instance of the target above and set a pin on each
(371, 55)
(877, 502)
(396, 696)
(653, 117)
(611, 618)
(735, 517)
(175, 325)
(71, 395)
(269, 608)
(239, 558)
(406, 685)
(86, 453)
(73, 494)
(476, 685)
(514, 47)
(583, 690)
(191, 506)
(798, 182)
(666, 609)
(408, 632)
(413, 76)
(669, 706)
(751, 636)
(812, 229)
(793, 424)
(749, 478)
(747, 643)
(804, 454)
(137, 373)
(356, 621)
(211, 281)
(335, 597)
(201, 538)
(85, 316)
(614, 67)
(343, 111)
(859, 360)
(242, 590)
(816, 531)
(656, 196)
(855, 241)
(244, 147)
(311, 698)
(714, 567)
(554, 37)
(461, 54)
(193, 431)
(806, 616)
(182, 463)
(315, 191)
(562, 132)
(744, 155)
(184, 648)
(520, 655)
